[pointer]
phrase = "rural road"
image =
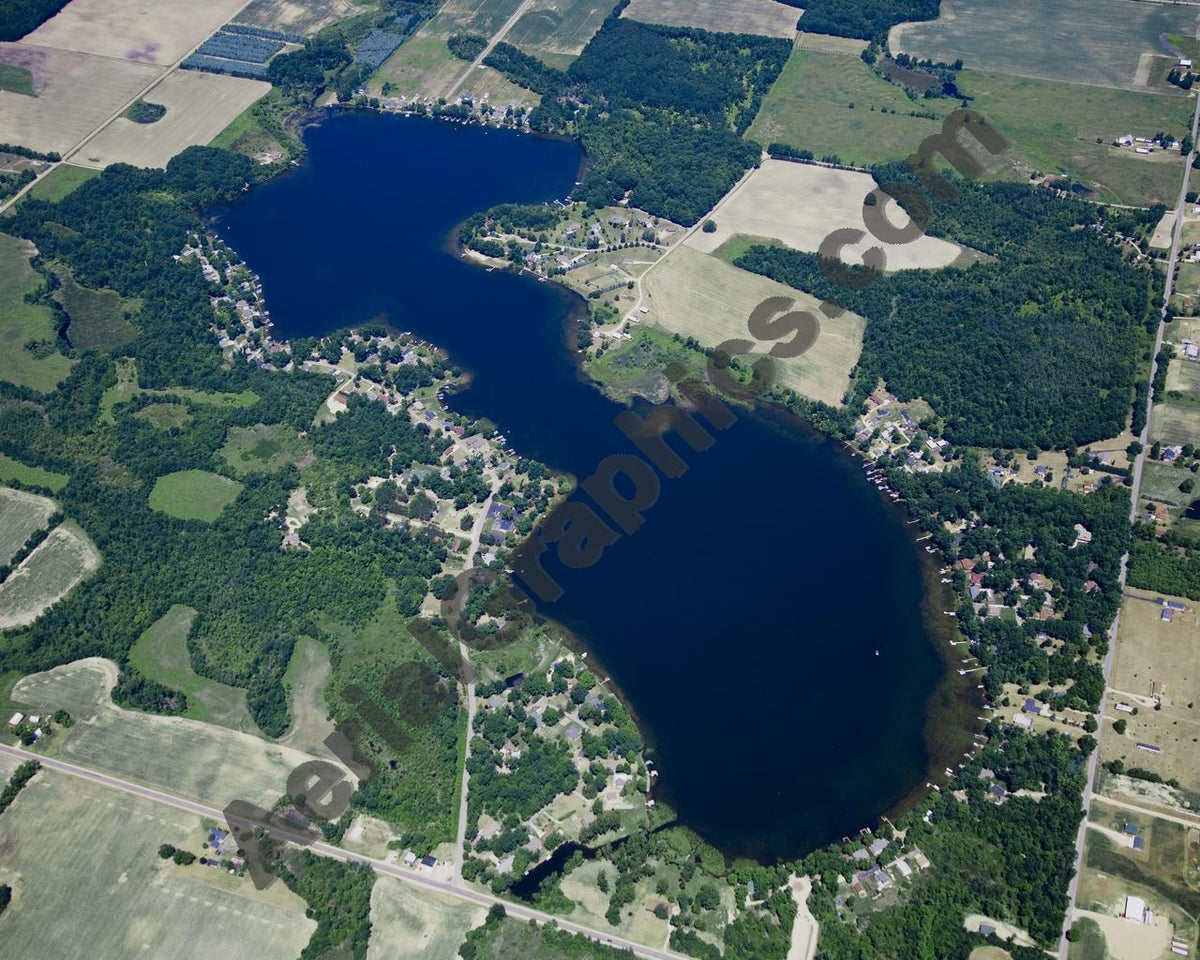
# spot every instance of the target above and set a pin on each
(1139, 461)
(337, 853)
(499, 35)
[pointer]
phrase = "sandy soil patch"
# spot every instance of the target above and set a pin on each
(146, 31)
(695, 294)
(721, 16)
(76, 92)
(199, 106)
(806, 929)
(800, 204)
(21, 515)
(1161, 238)
(207, 763)
(1132, 941)
(53, 570)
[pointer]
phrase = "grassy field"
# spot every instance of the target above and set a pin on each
(21, 515)
(100, 319)
(122, 900)
(721, 16)
(422, 65)
(1154, 656)
(486, 84)
(22, 323)
(297, 16)
(556, 28)
(76, 91)
(636, 367)
(1184, 376)
(1075, 41)
(799, 204)
(481, 17)
(14, 470)
(166, 416)
(306, 678)
(56, 567)
(698, 295)
(1175, 423)
(809, 108)
(16, 79)
(408, 923)
(161, 653)
(127, 387)
(193, 494)
(202, 761)
(199, 106)
(262, 448)
(158, 33)
(60, 181)
(1089, 946)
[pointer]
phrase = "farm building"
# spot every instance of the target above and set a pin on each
(1136, 911)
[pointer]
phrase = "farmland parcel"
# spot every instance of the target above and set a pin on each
(720, 16)
(48, 574)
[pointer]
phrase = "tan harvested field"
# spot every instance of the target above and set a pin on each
(989, 953)
(1174, 423)
(76, 92)
(764, 17)
(146, 31)
(799, 204)
(53, 570)
(21, 515)
(410, 923)
(695, 294)
(190, 758)
(1154, 656)
(822, 43)
(199, 106)
(296, 16)
(558, 27)
(122, 900)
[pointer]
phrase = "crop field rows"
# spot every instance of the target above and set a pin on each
(764, 17)
(21, 515)
(56, 567)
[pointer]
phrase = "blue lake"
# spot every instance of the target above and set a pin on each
(768, 624)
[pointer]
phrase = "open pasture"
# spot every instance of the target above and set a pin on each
(21, 323)
(75, 93)
(122, 899)
(60, 181)
(142, 31)
(558, 27)
(1100, 42)
(1184, 376)
(262, 448)
(199, 106)
(1157, 657)
(694, 294)
(161, 654)
(1174, 423)
(423, 65)
(764, 17)
(305, 17)
(410, 923)
(15, 470)
(799, 204)
(204, 762)
(21, 515)
(53, 570)
(193, 495)
(100, 319)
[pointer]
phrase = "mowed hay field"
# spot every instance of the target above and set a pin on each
(799, 204)
(1077, 41)
(21, 323)
(147, 31)
(409, 923)
(193, 495)
(199, 106)
(695, 294)
(1151, 652)
(305, 17)
(21, 515)
(56, 567)
(122, 900)
(1174, 423)
(60, 181)
(423, 65)
(764, 17)
(558, 29)
(1184, 376)
(161, 654)
(203, 762)
(76, 92)
(11, 469)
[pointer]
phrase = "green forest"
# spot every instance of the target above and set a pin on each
(19, 17)
(865, 19)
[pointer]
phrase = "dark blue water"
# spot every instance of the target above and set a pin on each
(765, 624)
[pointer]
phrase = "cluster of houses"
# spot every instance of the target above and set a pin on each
(874, 880)
(887, 427)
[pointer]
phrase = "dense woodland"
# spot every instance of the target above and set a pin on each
(1038, 345)
(19, 17)
(865, 19)
(339, 898)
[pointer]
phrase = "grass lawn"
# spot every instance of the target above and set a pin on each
(29, 356)
(122, 899)
(161, 654)
(15, 470)
(60, 181)
(100, 319)
(262, 448)
(16, 79)
(193, 494)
